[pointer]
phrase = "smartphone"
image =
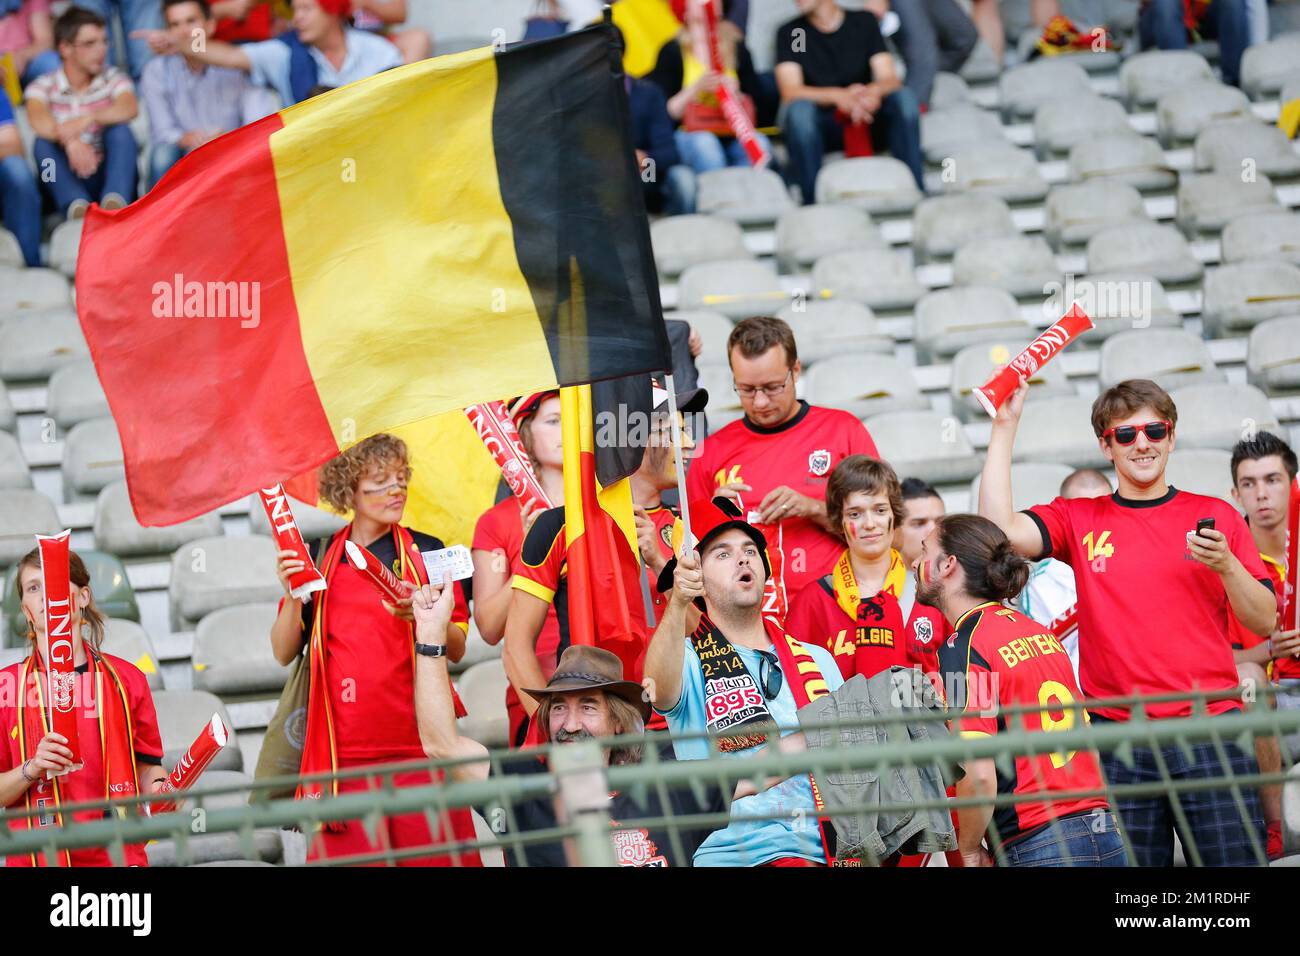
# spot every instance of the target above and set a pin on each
(1205, 524)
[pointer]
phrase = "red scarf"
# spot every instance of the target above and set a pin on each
(116, 739)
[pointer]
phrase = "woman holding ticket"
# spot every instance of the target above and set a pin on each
(361, 649)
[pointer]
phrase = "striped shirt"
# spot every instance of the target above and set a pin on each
(65, 103)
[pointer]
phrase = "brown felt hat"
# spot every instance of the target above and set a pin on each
(592, 668)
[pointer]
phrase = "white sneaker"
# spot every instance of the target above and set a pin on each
(77, 209)
(113, 201)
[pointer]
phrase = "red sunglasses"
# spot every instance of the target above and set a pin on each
(1127, 434)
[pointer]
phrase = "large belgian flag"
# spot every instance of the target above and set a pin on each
(449, 232)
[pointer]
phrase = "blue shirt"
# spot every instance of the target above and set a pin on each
(746, 841)
(367, 54)
(180, 100)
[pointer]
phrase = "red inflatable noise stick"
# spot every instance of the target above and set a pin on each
(372, 569)
(202, 752)
(60, 672)
(1038, 353)
(288, 538)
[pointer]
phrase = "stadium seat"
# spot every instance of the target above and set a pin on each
(212, 573)
(1075, 212)
(1169, 357)
(1061, 123)
(129, 641)
(1262, 235)
(943, 224)
(999, 170)
(261, 847)
(1202, 471)
(1059, 431)
(981, 66)
(1145, 247)
(1122, 157)
(945, 131)
(972, 366)
(880, 278)
(109, 584)
(1145, 77)
(118, 531)
(949, 90)
(1183, 113)
(724, 404)
(1215, 416)
(681, 241)
(1207, 202)
(75, 395)
(879, 184)
(1266, 66)
(1119, 301)
(951, 319)
(736, 288)
(182, 714)
(1032, 483)
(864, 385)
(22, 514)
(34, 344)
(714, 330)
(1023, 265)
(92, 457)
(926, 445)
(1243, 294)
(312, 522)
(12, 655)
(8, 417)
(1273, 354)
(30, 289)
(482, 688)
(751, 197)
(232, 652)
(13, 466)
(1023, 89)
(806, 233)
(11, 254)
(477, 650)
(1240, 146)
(65, 241)
(823, 330)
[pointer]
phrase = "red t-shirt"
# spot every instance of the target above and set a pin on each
(88, 782)
(1152, 619)
(998, 659)
(255, 26)
(1243, 638)
(800, 455)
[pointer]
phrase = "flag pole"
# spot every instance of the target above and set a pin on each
(688, 542)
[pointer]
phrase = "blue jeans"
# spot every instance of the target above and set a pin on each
(134, 15)
(703, 151)
(116, 173)
(41, 64)
(1160, 24)
(162, 157)
(21, 202)
(811, 131)
(1085, 839)
(673, 193)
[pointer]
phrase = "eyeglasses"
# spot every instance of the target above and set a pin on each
(771, 391)
(770, 678)
(397, 487)
(1127, 434)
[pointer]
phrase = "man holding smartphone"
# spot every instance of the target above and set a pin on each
(1155, 603)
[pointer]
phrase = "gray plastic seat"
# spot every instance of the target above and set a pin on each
(312, 522)
(1023, 89)
(182, 715)
(14, 472)
(881, 185)
(749, 196)
(943, 224)
(834, 327)
(949, 90)
(972, 366)
(714, 330)
(212, 573)
(682, 241)
(118, 531)
(482, 688)
(1202, 471)
(1207, 202)
(1123, 157)
(981, 66)
(1183, 113)
(724, 404)
(948, 320)
(92, 457)
(1075, 212)
(1120, 301)
(31, 289)
(1273, 354)
(1240, 145)
(263, 847)
(863, 385)
(945, 131)
(1032, 483)
(1023, 265)
(1145, 77)
(75, 395)
(1169, 357)
(1213, 416)
(880, 278)
(129, 641)
(34, 344)
(11, 253)
(8, 417)
(1243, 294)
(1059, 431)
(1266, 66)
(737, 288)
(806, 233)
(1000, 170)
(1060, 123)
(1262, 235)
(926, 445)
(65, 242)
(24, 513)
(1146, 247)
(232, 652)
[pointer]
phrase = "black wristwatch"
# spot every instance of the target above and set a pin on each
(431, 650)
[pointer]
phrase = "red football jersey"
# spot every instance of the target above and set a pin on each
(1152, 619)
(998, 659)
(1244, 638)
(800, 455)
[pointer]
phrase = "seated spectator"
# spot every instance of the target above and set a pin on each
(27, 36)
(380, 17)
(840, 90)
(933, 35)
(80, 114)
(133, 19)
(922, 507)
(20, 200)
(1174, 24)
(189, 102)
(668, 186)
(704, 138)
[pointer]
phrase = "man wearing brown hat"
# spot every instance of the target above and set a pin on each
(585, 699)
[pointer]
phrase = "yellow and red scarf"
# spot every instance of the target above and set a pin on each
(845, 585)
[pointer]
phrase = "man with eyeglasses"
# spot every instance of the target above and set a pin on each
(1157, 591)
(775, 461)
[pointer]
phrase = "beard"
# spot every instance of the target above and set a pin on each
(927, 592)
(562, 736)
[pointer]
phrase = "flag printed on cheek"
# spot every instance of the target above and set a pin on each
(60, 669)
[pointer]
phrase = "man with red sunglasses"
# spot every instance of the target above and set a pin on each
(1155, 603)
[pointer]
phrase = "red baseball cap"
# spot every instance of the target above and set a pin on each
(709, 518)
(525, 405)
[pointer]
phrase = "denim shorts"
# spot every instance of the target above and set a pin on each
(1088, 838)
